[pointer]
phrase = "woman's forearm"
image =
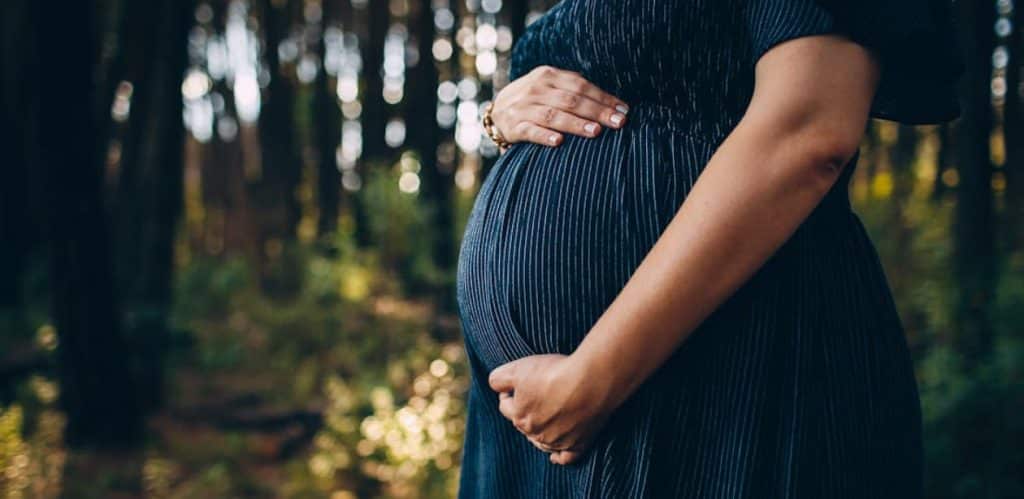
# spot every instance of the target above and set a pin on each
(756, 190)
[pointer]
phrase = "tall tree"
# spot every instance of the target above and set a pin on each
(974, 253)
(97, 389)
(15, 227)
(149, 186)
(371, 19)
(228, 222)
(274, 191)
(327, 126)
(421, 118)
(1013, 133)
(902, 155)
(517, 12)
(375, 108)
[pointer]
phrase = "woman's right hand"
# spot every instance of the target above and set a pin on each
(547, 101)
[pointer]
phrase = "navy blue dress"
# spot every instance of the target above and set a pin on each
(801, 384)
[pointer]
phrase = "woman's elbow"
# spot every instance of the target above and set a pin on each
(830, 149)
(816, 155)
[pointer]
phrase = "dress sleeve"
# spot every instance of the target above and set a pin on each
(914, 41)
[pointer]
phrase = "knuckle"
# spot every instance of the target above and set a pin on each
(570, 101)
(549, 114)
(521, 423)
(521, 129)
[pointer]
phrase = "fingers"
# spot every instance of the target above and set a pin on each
(541, 446)
(502, 378)
(553, 101)
(552, 118)
(582, 108)
(532, 132)
(574, 83)
(506, 405)
(565, 457)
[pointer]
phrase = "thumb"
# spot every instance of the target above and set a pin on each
(503, 378)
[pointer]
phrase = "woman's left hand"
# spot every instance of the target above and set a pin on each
(553, 402)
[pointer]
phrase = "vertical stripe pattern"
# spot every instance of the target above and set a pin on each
(799, 386)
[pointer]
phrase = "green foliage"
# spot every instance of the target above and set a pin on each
(207, 287)
(353, 345)
(31, 450)
(972, 424)
(972, 428)
(399, 223)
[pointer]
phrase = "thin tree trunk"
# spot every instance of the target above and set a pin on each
(373, 19)
(517, 12)
(902, 156)
(974, 255)
(15, 229)
(327, 126)
(97, 389)
(425, 138)
(274, 192)
(1013, 135)
(375, 109)
(150, 184)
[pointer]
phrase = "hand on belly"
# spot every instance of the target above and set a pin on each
(552, 402)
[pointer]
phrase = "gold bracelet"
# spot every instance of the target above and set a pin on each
(492, 131)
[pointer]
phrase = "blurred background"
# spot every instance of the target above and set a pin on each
(229, 231)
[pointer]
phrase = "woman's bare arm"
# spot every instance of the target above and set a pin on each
(805, 121)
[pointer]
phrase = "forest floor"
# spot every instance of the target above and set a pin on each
(305, 398)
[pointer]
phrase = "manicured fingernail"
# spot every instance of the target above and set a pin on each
(553, 139)
(590, 127)
(616, 119)
(621, 108)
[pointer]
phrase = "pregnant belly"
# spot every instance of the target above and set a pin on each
(555, 233)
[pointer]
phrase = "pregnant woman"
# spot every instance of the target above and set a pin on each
(662, 286)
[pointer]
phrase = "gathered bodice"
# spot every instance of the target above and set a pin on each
(692, 58)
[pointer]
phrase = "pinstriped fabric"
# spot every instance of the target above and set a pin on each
(799, 386)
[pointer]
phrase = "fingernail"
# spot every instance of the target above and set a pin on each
(621, 108)
(590, 127)
(616, 119)
(553, 139)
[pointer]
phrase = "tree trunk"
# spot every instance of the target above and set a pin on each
(902, 156)
(517, 12)
(15, 226)
(1013, 135)
(327, 126)
(375, 109)
(274, 198)
(375, 16)
(425, 138)
(97, 389)
(149, 189)
(974, 252)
